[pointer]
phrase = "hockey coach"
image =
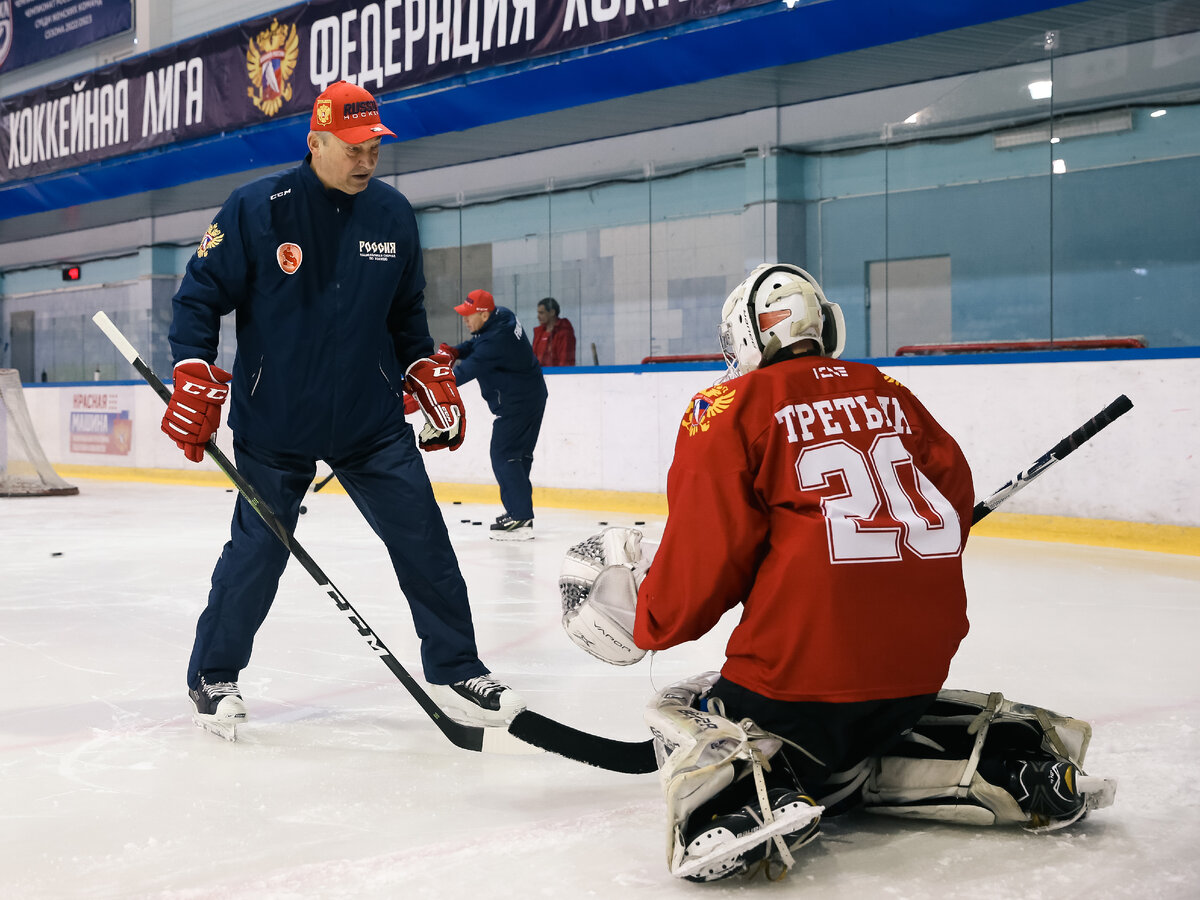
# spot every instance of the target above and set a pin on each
(321, 265)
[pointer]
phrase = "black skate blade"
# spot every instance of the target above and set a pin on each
(630, 757)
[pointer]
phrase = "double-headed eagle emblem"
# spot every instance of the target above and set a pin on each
(210, 241)
(270, 61)
(706, 404)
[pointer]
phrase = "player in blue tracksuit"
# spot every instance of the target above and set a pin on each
(322, 266)
(499, 356)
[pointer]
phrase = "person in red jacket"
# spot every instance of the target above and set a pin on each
(553, 338)
(822, 498)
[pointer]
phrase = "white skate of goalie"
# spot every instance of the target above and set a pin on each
(725, 854)
(1098, 793)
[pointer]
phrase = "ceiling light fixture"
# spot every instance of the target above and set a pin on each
(1041, 90)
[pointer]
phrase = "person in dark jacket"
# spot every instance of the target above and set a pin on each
(498, 355)
(321, 265)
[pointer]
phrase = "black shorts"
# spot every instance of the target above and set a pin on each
(835, 736)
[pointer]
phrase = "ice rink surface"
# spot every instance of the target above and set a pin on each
(340, 787)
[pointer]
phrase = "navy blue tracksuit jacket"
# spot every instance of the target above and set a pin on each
(500, 357)
(327, 289)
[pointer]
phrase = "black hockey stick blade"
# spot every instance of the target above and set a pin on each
(1058, 452)
(469, 737)
(630, 757)
(324, 481)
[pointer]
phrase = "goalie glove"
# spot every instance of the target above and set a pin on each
(599, 582)
(194, 410)
(431, 383)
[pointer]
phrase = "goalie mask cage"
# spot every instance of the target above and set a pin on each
(24, 469)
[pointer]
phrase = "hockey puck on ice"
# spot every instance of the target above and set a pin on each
(303, 510)
(639, 523)
(456, 502)
(465, 521)
(476, 523)
(56, 553)
(603, 523)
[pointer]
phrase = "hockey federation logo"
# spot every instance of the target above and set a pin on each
(270, 61)
(211, 240)
(378, 251)
(704, 406)
(324, 111)
(289, 257)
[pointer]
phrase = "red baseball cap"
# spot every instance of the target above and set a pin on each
(349, 112)
(477, 301)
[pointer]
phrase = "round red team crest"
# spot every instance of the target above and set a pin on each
(290, 256)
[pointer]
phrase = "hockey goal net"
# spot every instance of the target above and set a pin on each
(24, 469)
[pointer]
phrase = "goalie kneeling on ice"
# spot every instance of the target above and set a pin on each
(599, 582)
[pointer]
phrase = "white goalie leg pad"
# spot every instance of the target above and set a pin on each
(700, 754)
(598, 583)
(934, 789)
(952, 790)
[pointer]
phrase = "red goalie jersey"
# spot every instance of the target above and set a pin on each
(823, 497)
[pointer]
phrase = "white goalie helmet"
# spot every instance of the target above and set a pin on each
(775, 307)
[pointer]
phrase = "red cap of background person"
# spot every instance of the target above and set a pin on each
(477, 301)
(349, 112)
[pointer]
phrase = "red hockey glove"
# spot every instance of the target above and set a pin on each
(431, 382)
(410, 403)
(447, 350)
(194, 410)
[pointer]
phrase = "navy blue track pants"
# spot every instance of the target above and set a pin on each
(389, 485)
(513, 440)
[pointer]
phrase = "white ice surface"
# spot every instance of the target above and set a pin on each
(340, 787)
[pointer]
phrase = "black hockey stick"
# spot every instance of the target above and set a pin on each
(1059, 451)
(469, 737)
(324, 481)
